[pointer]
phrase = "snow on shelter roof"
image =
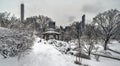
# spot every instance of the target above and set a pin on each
(51, 31)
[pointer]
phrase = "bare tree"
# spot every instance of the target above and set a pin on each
(108, 24)
(78, 30)
(89, 38)
(8, 21)
(37, 23)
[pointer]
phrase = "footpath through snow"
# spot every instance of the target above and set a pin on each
(45, 55)
(40, 55)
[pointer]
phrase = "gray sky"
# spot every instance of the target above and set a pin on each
(64, 12)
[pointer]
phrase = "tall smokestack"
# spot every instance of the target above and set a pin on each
(22, 12)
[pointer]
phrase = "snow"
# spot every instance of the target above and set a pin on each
(43, 53)
(9, 61)
(51, 32)
(13, 42)
(115, 45)
(59, 45)
(102, 62)
(40, 55)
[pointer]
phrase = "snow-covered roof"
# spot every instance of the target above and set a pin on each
(51, 31)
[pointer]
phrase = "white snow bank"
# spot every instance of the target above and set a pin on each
(59, 45)
(40, 55)
(115, 45)
(9, 61)
(102, 62)
(44, 55)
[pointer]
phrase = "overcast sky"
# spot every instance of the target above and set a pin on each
(64, 12)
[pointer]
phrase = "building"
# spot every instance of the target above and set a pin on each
(51, 32)
(83, 20)
(51, 25)
(22, 12)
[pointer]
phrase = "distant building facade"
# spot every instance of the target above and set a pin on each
(22, 12)
(83, 21)
(51, 25)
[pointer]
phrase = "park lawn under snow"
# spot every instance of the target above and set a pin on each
(115, 45)
(44, 54)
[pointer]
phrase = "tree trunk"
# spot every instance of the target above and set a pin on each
(106, 42)
(89, 52)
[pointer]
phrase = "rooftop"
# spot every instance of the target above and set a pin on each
(51, 31)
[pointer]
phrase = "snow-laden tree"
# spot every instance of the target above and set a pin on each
(14, 42)
(9, 21)
(108, 25)
(4, 19)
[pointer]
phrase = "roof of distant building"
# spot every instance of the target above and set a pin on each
(51, 31)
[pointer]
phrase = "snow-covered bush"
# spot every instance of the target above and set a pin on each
(13, 42)
(60, 45)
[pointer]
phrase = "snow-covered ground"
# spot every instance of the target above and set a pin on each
(40, 55)
(102, 62)
(44, 53)
(115, 45)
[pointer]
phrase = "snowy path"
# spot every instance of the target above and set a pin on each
(45, 55)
